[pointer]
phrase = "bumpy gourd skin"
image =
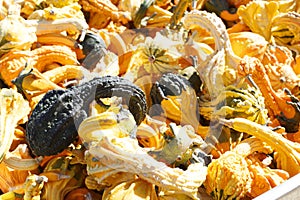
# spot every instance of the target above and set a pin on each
(169, 84)
(53, 123)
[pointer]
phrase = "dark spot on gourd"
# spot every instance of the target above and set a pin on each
(93, 48)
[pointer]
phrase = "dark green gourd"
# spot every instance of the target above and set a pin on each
(169, 84)
(52, 126)
(94, 48)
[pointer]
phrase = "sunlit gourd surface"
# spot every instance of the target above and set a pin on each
(148, 99)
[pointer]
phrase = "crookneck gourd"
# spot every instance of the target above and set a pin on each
(53, 123)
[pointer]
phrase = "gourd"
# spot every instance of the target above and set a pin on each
(62, 177)
(181, 148)
(177, 100)
(239, 173)
(93, 49)
(14, 62)
(287, 154)
(149, 133)
(219, 68)
(12, 177)
(34, 84)
(125, 154)
(59, 39)
(102, 12)
(33, 186)
(278, 63)
(10, 36)
(14, 35)
(221, 8)
(114, 122)
(14, 111)
(112, 151)
(150, 57)
(112, 155)
(30, 188)
(258, 16)
(67, 108)
(282, 105)
(285, 30)
(231, 175)
(253, 44)
(244, 101)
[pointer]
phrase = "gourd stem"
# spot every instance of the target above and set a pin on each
(282, 145)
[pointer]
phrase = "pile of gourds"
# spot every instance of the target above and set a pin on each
(145, 99)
